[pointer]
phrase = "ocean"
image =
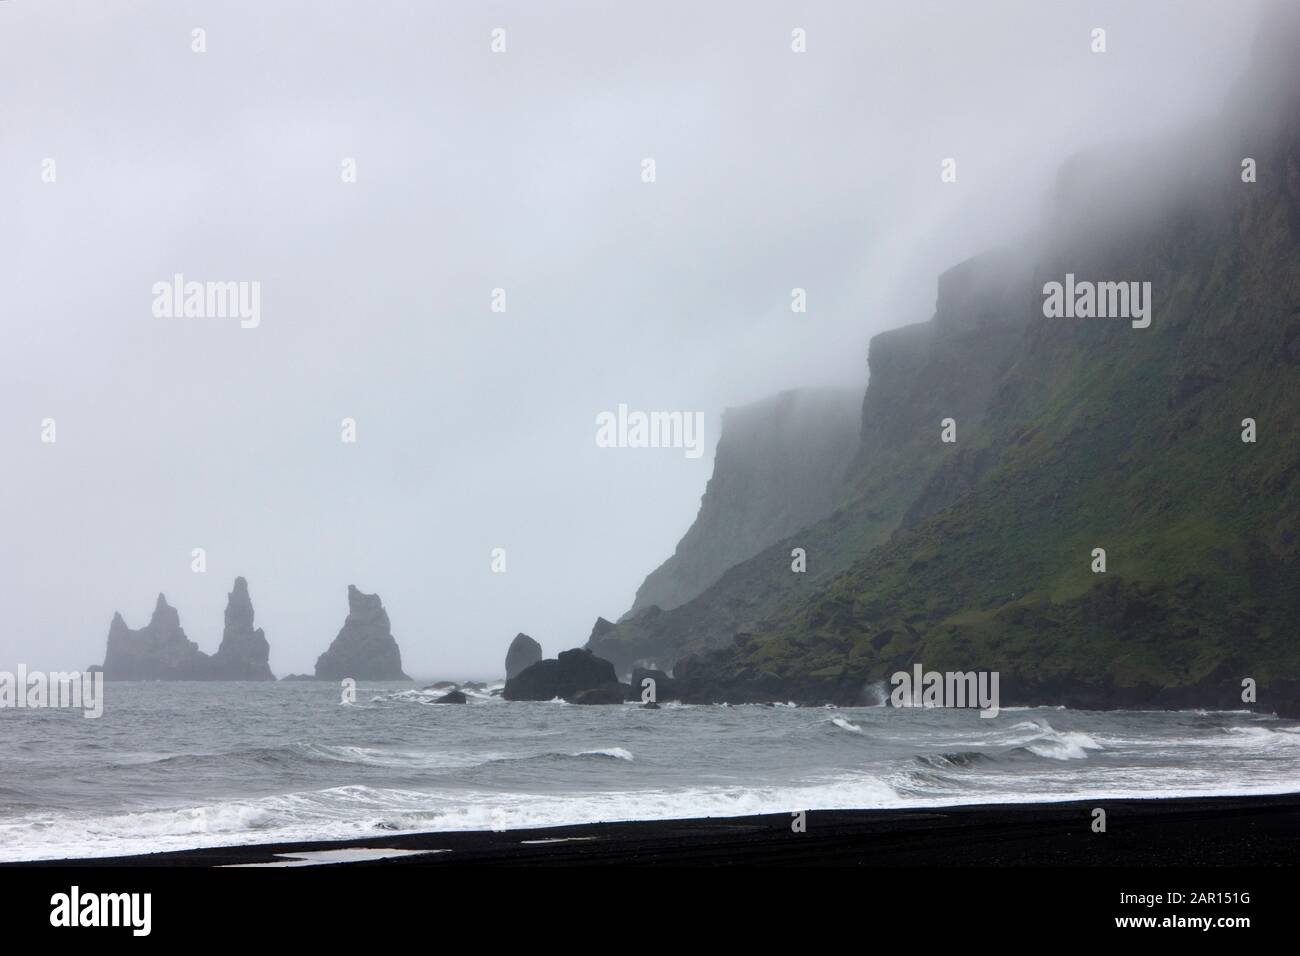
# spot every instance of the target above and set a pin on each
(182, 765)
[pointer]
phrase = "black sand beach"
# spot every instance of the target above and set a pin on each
(1200, 831)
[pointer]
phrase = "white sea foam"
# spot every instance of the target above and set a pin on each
(839, 721)
(617, 752)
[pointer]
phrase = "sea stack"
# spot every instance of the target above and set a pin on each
(524, 652)
(158, 651)
(244, 652)
(364, 649)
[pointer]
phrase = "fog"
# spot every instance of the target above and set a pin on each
(477, 171)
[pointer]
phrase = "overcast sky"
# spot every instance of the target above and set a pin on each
(477, 170)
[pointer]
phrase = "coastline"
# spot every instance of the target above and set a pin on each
(1170, 831)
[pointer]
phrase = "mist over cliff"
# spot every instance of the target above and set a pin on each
(381, 177)
(1082, 504)
(779, 466)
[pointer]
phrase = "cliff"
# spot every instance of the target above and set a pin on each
(779, 466)
(1071, 435)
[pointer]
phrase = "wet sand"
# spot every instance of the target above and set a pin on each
(1197, 831)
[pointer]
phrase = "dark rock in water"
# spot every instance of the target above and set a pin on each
(609, 694)
(1289, 710)
(564, 676)
(244, 652)
(474, 685)
(364, 649)
(158, 651)
(441, 685)
(455, 697)
(298, 677)
(523, 652)
(161, 651)
(665, 688)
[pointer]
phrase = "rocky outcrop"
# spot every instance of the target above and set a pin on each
(779, 467)
(662, 688)
(451, 697)
(158, 651)
(564, 676)
(244, 652)
(364, 648)
(523, 652)
(608, 694)
(161, 651)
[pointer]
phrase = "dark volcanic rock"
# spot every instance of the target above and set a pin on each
(365, 648)
(665, 688)
(455, 697)
(524, 652)
(161, 651)
(609, 694)
(158, 651)
(573, 671)
(244, 652)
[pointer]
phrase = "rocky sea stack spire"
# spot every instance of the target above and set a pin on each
(158, 651)
(524, 652)
(365, 648)
(244, 652)
(161, 651)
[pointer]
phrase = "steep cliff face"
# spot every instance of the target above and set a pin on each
(898, 468)
(779, 467)
(364, 648)
(1072, 434)
(161, 651)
